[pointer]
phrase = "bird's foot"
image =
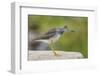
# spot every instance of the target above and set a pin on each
(55, 54)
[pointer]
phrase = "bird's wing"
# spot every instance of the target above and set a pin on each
(47, 35)
(51, 31)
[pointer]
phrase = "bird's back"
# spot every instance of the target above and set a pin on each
(51, 33)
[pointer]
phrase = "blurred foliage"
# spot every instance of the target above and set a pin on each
(70, 41)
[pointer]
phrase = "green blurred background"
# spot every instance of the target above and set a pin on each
(71, 41)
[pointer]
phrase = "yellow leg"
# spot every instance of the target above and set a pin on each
(52, 48)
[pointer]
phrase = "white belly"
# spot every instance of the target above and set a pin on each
(54, 39)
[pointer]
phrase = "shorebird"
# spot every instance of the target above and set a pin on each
(52, 36)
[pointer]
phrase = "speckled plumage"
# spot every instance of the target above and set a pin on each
(52, 35)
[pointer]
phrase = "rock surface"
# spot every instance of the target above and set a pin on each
(48, 55)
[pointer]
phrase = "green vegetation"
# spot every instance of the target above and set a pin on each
(70, 41)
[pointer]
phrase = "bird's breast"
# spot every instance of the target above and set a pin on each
(54, 38)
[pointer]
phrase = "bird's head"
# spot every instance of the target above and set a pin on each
(65, 29)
